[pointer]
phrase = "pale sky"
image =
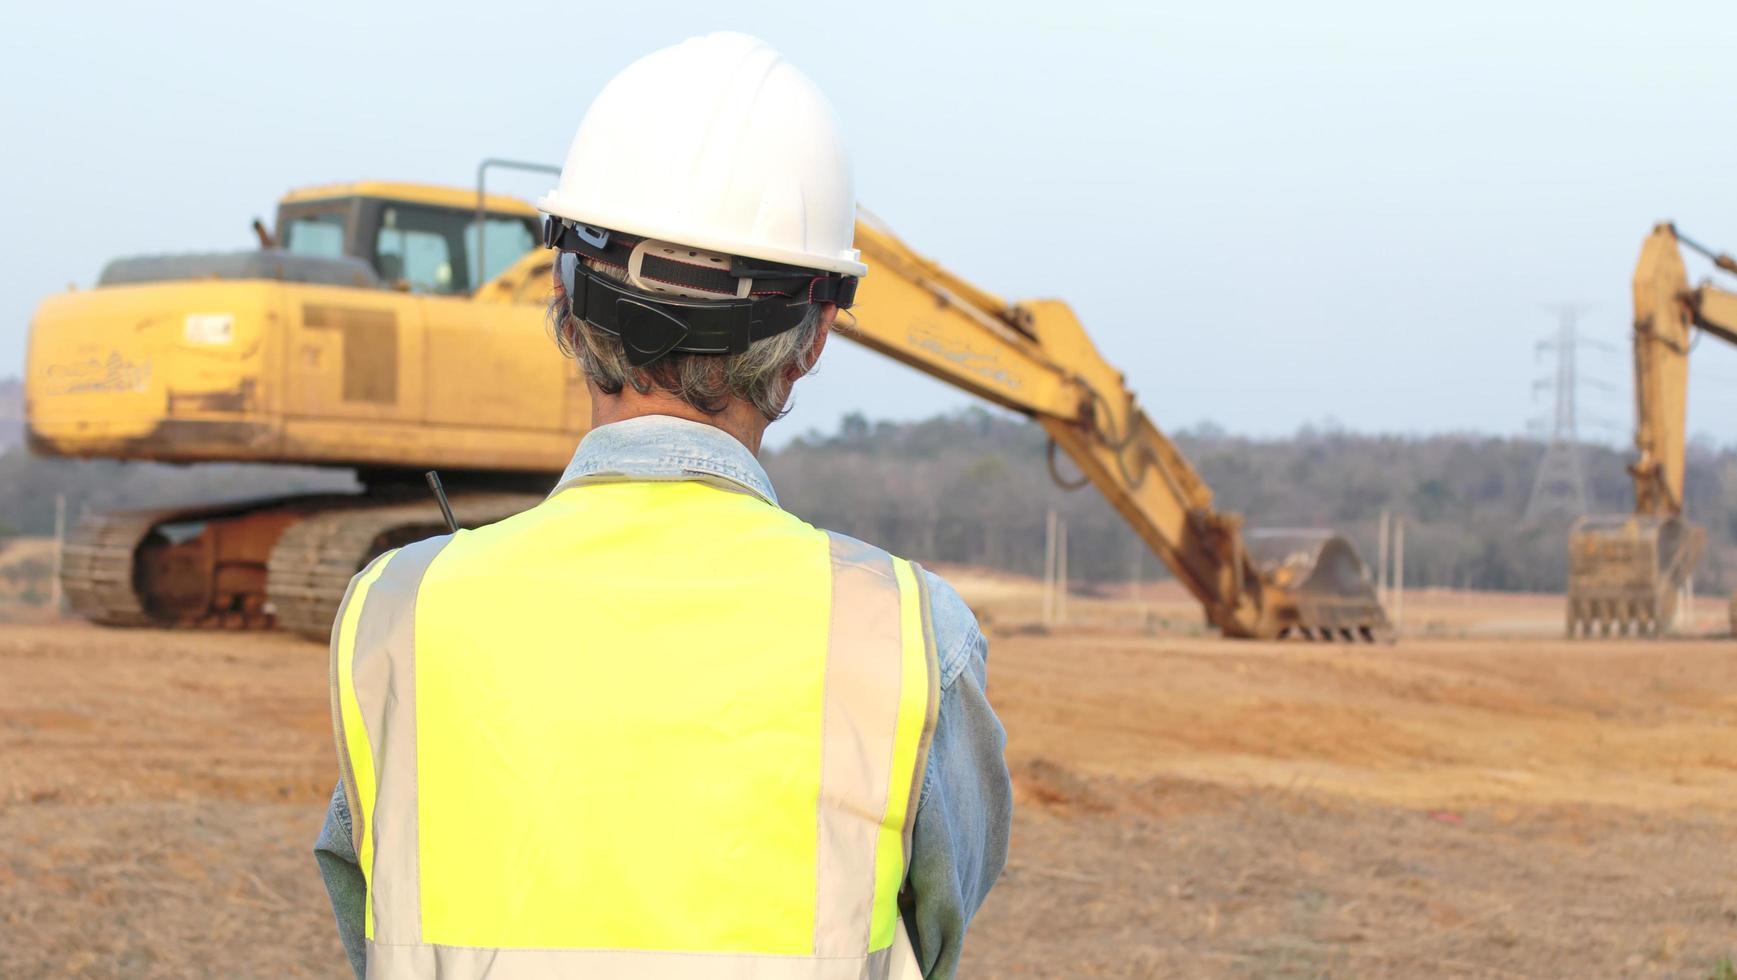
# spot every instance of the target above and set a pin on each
(1265, 213)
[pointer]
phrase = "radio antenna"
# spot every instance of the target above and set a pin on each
(440, 495)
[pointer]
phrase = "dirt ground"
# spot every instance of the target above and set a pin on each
(1478, 800)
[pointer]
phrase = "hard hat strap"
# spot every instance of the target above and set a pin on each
(651, 327)
(617, 250)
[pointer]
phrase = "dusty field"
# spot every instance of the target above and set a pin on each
(26, 570)
(1481, 800)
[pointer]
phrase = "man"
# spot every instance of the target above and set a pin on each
(656, 726)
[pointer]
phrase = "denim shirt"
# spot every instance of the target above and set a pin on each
(959, 841)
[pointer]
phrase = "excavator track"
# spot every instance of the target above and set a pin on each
(258, 564)
(313, 562)
(97, 565)
(187, 566)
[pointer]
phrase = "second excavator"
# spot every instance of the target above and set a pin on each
(1632, 572)
(394, 328)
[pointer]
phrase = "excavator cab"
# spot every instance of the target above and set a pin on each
(414, 238)
(419, 239)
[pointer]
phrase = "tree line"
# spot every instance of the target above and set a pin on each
(974, 487)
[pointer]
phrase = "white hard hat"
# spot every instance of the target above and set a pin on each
(716, 143)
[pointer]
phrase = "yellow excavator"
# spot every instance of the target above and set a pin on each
(1628, 572)
(396, 328)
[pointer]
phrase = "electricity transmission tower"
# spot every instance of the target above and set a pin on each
(1560, 486)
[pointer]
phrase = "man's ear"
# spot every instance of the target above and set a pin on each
(828, 313)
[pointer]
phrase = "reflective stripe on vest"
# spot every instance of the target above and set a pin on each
(550, 777)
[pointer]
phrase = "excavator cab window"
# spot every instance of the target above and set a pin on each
(422, 247)
(319, 233)
(434, 250)
(505, 240)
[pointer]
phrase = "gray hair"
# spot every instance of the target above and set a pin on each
(762, 375)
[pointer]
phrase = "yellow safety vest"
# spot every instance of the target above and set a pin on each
(644, 729)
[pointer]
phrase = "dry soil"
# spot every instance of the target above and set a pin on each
(1479, 800)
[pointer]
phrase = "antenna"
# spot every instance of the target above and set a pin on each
(440, 495)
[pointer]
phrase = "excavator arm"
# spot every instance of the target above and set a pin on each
(1632, 572)
(1666, 311)
(1035, 358)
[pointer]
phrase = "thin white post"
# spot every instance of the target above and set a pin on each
(1062, 570)
(1398, 573)
(59, 538)
(1139, 593)
(1381, 557)
(1049, 568)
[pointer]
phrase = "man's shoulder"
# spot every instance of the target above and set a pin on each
(958, 639)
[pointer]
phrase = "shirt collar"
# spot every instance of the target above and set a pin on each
(662, 447)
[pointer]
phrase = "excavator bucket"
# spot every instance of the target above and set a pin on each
(1324, 585)
(1626, 572)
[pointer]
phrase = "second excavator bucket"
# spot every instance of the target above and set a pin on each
(1626, 571)
(1325, 585)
